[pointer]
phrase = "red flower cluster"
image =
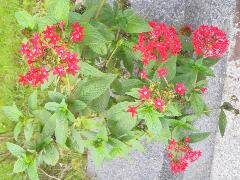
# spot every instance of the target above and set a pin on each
(209, 41)
(180, 89)
(77, 34)
(46, 52)
(145, 96)
(181, 154)
(161, 42)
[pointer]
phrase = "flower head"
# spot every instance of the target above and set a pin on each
(159, 104)
(180, 89)
(161, 42)
(209, 41)
(132, 110)
(144, 93)
(162, 72)
(77, 34)
(143, 74)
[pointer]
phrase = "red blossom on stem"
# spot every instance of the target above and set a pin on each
(143, 74)
(144, 93)
(180, 89)
(37, 58)
(209, 41)
(180, 155)
(160, 43)
(132, 110)
(162, 72)
(159, 104)
(77, 34)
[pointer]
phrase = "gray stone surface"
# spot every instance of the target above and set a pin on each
(153, 164)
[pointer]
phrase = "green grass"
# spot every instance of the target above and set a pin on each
(10, 39)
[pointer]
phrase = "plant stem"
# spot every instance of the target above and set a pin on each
(52, 177)
(166, 81)
(69, 86)
(99, 9)
(107, 63)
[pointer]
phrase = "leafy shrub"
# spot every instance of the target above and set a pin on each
(106, 79)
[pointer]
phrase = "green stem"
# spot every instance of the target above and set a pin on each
(68, 85)
(99, 9)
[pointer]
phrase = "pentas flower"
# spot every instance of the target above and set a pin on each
(162, 72)
(160, 43)
(187, 139)
(132, 110)
(178, 165)
(159, 104)
(72, 68)
(143, 74)
(34, 76)
(209, 41)
(203, 89)
(59, 70)
(77, 34)
(180, 89)
(37, 56)
(51, 36)
(144, 93)
(180, 155)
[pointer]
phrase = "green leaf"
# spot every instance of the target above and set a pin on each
(19, 166)
(134, 93)
(135, 23)
(179, 123)
(43, 115)
(28, 131)
(78, 142)
(50, 155)
(119, 148)
(59, 9)
(12, 112)
(92, 36)
(45, 21)
(196, 137)
(55, 96)
(32, 101)
(52, 106)
(197, 103)
(61, 131)
(98, 155)
(172, 109)
(203, 69)
(209, 62)
(99, 48)
(88, 70)
(25, 19)
(50, 126)
(32, 171)
(202, 83)
(17, 130)
(15, 150)
(119, 120)
(129, 84)
(85, 17)
(101, 103)
(151, 117)
(48, 82)
(93, 87)
(76, 106)
(222, 122)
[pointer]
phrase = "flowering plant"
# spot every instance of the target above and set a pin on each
(105, 80)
